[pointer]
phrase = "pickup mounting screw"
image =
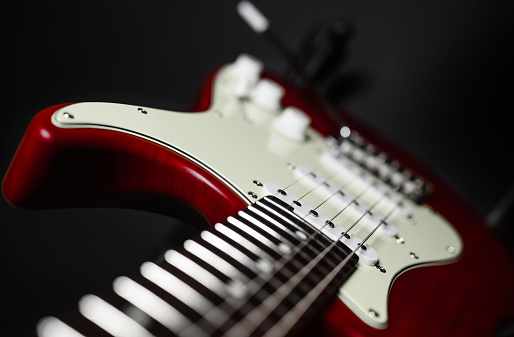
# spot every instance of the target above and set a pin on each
(252, 194)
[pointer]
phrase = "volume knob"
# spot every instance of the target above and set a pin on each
(247, 70)
(267, 95)
(292, 124)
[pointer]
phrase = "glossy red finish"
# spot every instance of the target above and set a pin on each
(55, 167)
(88, 167)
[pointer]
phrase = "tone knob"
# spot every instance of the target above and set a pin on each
(292, 124)
(247, 69)
(267, 95)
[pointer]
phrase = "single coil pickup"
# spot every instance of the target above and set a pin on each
(332, 193)
(366, 253)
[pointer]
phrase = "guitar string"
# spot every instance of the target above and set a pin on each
(354, 200)
(343, 234)
(315, 187)
(255, 284)
(295, 280)
(311, 237)
(261, 279)
(320, 287)
(266, 307)
(372, 181)
(298, 248)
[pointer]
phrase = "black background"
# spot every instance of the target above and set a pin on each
(435, 77)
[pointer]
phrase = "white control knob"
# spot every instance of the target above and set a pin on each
(292, 123)
(267, 95)
(247, 69)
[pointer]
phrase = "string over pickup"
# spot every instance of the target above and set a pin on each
(363, 196)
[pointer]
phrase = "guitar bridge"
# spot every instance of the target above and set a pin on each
(381, 166)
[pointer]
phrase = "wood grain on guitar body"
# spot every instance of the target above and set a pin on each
(251, 139)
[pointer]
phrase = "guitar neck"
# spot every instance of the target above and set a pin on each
(259, 272)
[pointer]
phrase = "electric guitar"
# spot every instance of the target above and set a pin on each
(314, 228)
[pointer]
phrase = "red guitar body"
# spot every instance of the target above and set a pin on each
(471, 297)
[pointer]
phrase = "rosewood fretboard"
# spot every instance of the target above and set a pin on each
(260, 272)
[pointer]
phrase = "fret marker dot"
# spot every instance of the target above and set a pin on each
(284, 248)
(301, 235)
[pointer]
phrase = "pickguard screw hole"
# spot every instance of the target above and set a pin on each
(252, 194)
(373, 313)
(257, 183)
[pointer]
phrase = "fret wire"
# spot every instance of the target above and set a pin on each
(306, 302)
(319, 256)
(241, 267)
(191, 285)
(278, 329)
(374, 230)
(267, 226)
(258, 211)
(262, 250)
(312, 247)
(258, 282)
(255, 318)
(299, 222)
(277, 242)
(289, 236)
(257, 233)
(261, 280)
